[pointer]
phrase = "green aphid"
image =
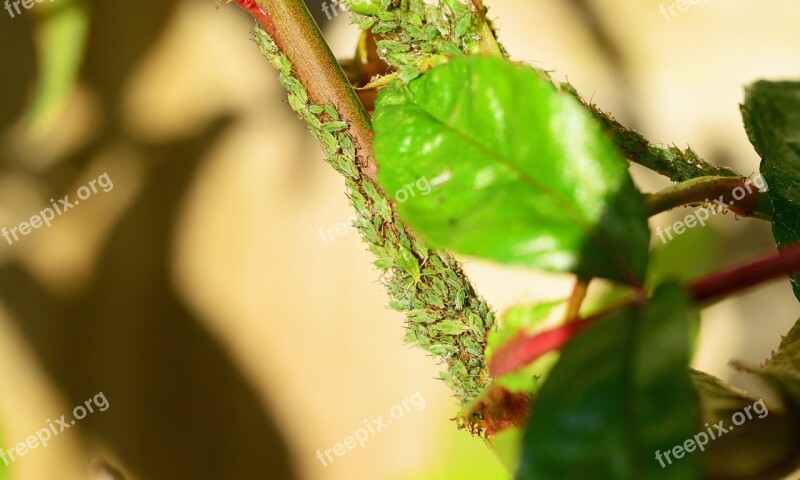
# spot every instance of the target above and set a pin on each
(364, 7)
(346, 166)
(422, 338)
(312, 122)
(377, 250)
(421, 248)
(460, 297)
(328, 141)
(414, 19)
(335, 126)
(474, 349)
(369, 231)
(408, 262)
(372, 192)
(431, 32)
(452, 278)
(392, 46)
(399, 305)
(296, 103)
(443, 350)
(404, 240)
(463, 26)
(449, 327)
(476, 320)
(451, 48)
(331, 112)
(439, 285)
(420, 316)
(384, 27)
(347, 146)
(365, 23)
(409, 73)
(434, 299)
(283, 63)
(459, 368)
(384, 209)
(315, 109)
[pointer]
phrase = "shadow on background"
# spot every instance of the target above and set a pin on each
(179, 407)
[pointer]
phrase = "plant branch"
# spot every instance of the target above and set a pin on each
(679, 165)
(322, 96)
(525, 348)
(735, 279)
(752, 202)
(294, 31)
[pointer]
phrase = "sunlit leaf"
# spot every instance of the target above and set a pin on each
(520, 172)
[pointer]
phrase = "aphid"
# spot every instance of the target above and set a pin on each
(408, 262)
(460, 297)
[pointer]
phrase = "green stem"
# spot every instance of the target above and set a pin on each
(676, 164)
(751, 201)
(488, 44)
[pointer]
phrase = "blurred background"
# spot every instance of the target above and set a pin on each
(230, 338)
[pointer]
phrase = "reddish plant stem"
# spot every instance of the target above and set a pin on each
(294, 31)
(524, 348)
(726, 282)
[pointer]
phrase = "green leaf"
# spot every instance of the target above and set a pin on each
(519, 172)
(772, 118)
(620, 392)
(764, 447)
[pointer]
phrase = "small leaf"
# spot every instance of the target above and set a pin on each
(620, 392)
(519, 172)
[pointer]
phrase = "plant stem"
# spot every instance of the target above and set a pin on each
(525, 348)
(322, 96)
(732, 280)
(576, 299)
(294, 31)
(679, 165)
(753, 203)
